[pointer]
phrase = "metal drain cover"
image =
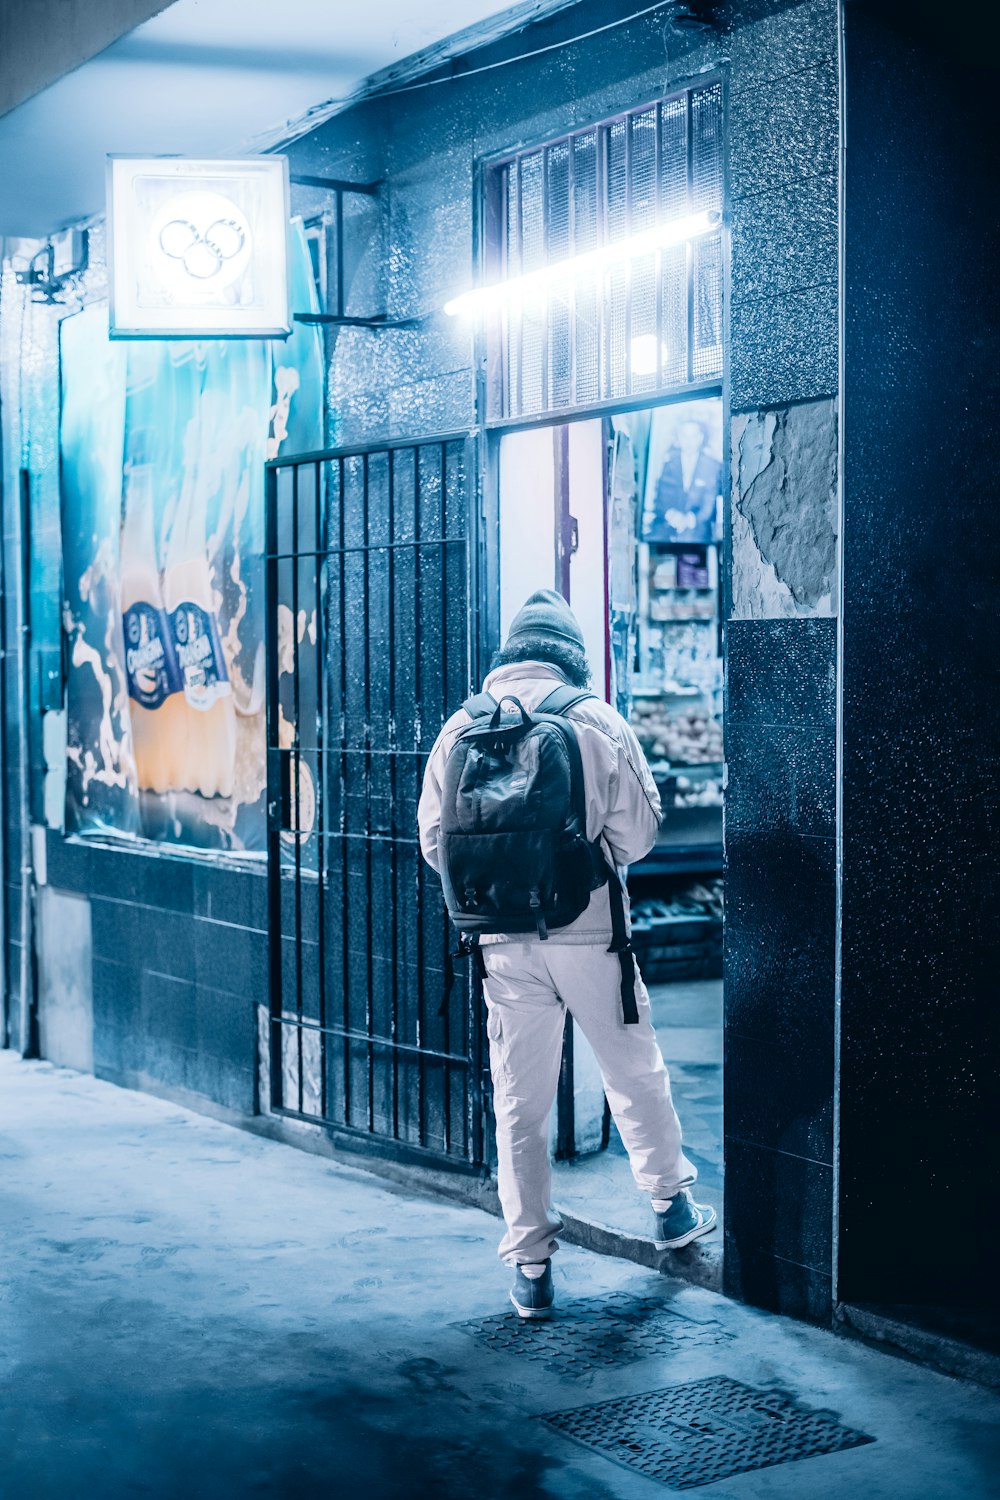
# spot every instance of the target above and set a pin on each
(695, 1434)
(585, 1336)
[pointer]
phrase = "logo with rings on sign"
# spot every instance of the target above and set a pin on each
(200, 244)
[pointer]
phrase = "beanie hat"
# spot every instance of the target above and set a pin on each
(545, 613)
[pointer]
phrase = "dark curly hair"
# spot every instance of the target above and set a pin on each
(571, 660)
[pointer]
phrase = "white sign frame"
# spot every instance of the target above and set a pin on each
(161, 270)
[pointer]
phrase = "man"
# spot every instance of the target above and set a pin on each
(685, 502)
(530, 983)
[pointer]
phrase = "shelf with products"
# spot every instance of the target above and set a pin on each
(674, 684)
(687, 733)
(691, 565)
(677, 919)
(662, 769)
(675, 859)
(679, 726)
(690, 786)
(679, 619)
(676, 700)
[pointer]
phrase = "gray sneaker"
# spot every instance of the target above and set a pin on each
(533, 1295)
(683, 1221)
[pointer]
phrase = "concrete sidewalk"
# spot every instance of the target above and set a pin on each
(188, 1310)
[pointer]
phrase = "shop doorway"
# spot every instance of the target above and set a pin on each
(622, 514)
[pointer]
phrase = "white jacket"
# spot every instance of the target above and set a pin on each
(623, 805)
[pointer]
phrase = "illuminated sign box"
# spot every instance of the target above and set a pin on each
(197, 249)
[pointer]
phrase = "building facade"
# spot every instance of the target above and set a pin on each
(825, 330)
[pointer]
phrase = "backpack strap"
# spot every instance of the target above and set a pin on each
(562, 699)
(468, 947)
(479, 705)
(621, 945)
(556, 705)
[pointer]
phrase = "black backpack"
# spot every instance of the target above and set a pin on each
(513, 843)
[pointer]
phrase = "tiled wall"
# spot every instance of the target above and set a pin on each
(780, 927)
(781, 662)
(179, 961)
(921, 810)
(178, 947)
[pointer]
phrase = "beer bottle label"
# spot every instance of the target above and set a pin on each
(199, 655)
(150, 664)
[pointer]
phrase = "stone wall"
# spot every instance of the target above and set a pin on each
(920, 1044)
(781, 662)
(407, 255)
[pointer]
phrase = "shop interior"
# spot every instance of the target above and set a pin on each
(632, 504)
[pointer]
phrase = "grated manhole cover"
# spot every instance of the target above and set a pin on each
(585, 1336)
(695, 1434)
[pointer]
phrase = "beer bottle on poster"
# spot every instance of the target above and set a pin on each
(154, 680)
(206, 756)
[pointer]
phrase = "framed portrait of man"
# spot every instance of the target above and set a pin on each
(682, 500)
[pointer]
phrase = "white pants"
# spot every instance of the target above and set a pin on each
(529, 988)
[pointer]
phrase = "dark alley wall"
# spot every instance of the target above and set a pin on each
(150, 964)
(781, 63)
(781, 668)
(160, 1019)
(178, 951)
(782, 70)
(921, 716)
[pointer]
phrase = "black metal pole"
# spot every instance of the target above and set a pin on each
(5, 1026)
(275, 792)
(29, 967)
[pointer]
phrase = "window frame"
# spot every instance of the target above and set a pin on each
(491, 348)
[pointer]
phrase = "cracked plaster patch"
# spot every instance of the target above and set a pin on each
(784, 500)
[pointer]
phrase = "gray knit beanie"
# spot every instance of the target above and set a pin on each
(545, 613)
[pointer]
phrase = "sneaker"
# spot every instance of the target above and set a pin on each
(533, 1295)
(683, 1221)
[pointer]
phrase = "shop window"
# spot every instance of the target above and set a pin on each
(647, 324)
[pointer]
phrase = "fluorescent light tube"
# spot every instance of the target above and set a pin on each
(537, 284)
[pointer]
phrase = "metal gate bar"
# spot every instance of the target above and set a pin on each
(369, 649)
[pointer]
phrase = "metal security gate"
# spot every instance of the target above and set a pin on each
(370, 647)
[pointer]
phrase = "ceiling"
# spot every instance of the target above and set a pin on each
(216, 78)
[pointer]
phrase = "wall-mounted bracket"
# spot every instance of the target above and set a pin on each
(338, 320)
(336, 184)
(53, 266)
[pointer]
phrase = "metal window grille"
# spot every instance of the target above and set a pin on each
(652, 324)
(369, 650)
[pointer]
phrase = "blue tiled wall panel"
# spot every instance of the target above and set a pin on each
(180, 946)
(788, 1212)
(786, 40)
(784, 129)
(780, 825)
(784, 348)
(920, 1049)
(780, 939)
(785, 241)
(179, 965)
(771, 1281)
